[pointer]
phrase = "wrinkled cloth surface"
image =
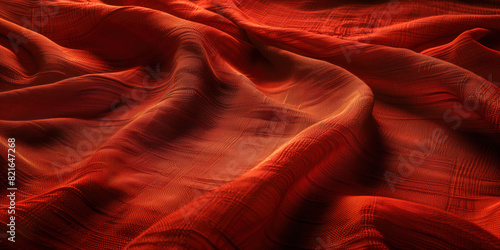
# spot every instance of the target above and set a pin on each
(251, 124)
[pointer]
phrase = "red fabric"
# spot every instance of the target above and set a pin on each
(251, 124)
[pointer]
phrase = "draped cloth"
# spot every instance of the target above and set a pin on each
(251, 124)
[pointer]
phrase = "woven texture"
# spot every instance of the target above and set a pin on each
(251, 124)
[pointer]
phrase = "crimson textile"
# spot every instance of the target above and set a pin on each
(251, 124)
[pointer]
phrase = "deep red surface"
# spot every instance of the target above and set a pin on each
(252, 124)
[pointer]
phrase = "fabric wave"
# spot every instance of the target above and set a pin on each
(251, 124)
